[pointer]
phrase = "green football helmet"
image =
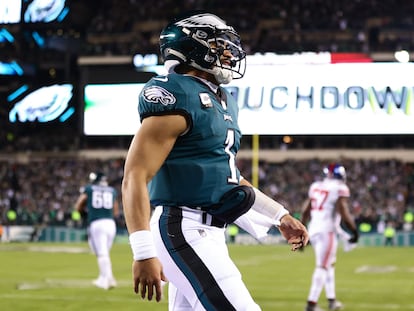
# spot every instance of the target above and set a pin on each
(199, 40)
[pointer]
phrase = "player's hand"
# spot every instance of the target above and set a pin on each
(147, 275)
(354, 238)
(294, 232)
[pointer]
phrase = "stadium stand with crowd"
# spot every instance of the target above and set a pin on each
(43, 191)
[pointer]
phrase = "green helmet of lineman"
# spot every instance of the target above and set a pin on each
(98, 178)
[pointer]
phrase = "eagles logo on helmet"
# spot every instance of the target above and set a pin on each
(199, 40)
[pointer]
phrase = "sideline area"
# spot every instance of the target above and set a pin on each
(72, 235)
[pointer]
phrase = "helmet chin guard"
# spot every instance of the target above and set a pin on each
(223, 75)
(200, 41)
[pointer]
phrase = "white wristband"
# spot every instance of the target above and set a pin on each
(269, 207)
(282, 213)
(142, 245)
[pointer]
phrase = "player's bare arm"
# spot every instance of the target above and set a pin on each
(343, 209)
(80, 204)
(306, 208)
(149, 148)
(116, 209)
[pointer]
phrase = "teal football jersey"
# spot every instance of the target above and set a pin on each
(100, 201)
(202, 164)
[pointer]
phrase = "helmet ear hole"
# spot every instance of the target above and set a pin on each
(216, 51)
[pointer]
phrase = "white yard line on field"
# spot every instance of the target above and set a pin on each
(66, 283)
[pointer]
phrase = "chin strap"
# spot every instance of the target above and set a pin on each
(222, 75)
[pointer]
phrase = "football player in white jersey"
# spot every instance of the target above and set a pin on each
(325, 208)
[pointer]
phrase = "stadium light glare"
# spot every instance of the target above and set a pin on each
(402, 56)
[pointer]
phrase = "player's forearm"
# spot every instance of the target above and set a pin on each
(266, 206)
(136, 205)
(346, 215)
(269, 207)
(137, 212)
(116, 209)
(350, 223)
(305, 217)
(80, 204)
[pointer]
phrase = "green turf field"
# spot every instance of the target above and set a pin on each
(47, 277)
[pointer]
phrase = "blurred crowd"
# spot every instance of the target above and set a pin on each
(127, 27)
(43, 192)
(122, 27)
(62, 138)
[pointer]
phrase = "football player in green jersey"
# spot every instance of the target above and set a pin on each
(182, 160)
(99, 202)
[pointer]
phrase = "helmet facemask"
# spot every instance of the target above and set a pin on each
(226, 69)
